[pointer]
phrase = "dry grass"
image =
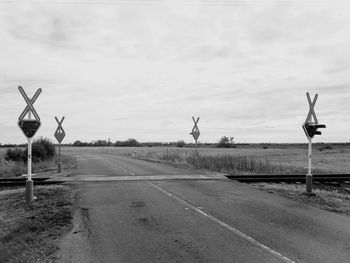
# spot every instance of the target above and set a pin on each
(13, 169)
(228, 163)
(2, 152)
(30, 233)
(284, 159)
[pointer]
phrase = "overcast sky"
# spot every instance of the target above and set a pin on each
(141, 69)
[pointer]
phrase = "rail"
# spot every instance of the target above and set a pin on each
(322, 178)
(10, 182)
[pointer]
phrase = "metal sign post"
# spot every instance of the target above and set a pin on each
(195, 133)
(309, 174)
(310, 128)
(59, 135)
(29, 128)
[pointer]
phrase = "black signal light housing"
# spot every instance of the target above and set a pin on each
(311, 129)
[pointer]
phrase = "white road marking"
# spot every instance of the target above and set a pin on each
(228, 227)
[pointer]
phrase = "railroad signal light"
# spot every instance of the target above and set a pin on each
(310, 129)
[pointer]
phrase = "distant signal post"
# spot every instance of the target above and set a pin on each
(310, 127)
(59, 135)
(29, 128)
(195, 133)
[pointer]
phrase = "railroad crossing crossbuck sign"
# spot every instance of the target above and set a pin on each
(311, 123)
(195, 131)
(59, 133)
(29, 126)
(310, 127)
(311, 115)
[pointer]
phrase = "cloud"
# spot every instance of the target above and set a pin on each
(120, 71)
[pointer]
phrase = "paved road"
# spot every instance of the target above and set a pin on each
(194, 217)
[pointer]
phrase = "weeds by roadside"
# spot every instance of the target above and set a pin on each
(29, 234)
(227, 163)
(14, 161)
(13, 169)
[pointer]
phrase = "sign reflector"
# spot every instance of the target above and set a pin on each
(29, 127)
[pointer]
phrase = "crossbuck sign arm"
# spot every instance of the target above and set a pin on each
(59, 128)
(311, 109)
(29, 102)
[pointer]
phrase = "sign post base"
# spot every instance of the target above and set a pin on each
(29, 191)
(309, 184)
(59, 167)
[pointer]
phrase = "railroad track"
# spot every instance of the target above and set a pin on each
(9, 182)
(321, 178)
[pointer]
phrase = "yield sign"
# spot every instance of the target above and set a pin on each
(59, 133)
(311, 115)
(29, 127)
(195, 131)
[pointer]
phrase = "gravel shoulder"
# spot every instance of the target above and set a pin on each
(331, 198)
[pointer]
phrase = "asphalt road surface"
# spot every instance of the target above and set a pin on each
(130, 210)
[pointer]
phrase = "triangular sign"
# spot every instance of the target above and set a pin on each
(195, 134)
(59, 136)
(29, 127)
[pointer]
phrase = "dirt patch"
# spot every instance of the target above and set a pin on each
(330, 198)
(75, 246)
(31, 233)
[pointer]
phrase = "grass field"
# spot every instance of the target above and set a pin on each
(270, 159)
(330, 158)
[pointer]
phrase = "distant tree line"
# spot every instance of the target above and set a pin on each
(104, 143)
(11, 145)
(97, 143)
(224, 142)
